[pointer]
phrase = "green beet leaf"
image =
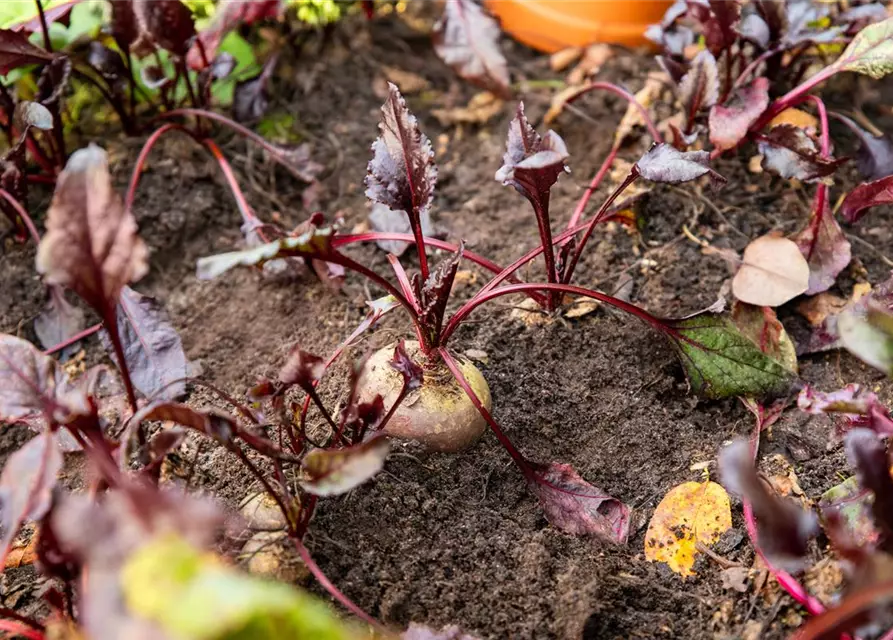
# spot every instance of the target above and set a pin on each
(721, 362)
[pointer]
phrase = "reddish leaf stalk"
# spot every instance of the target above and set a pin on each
(334, 591)
(340, 241)
(626, 95)
(578, 250)
(821, 193)
(86, 333)
(144, 154)
(541, 209)
(472, 304)
(593, 185)
(516, 455)
(20, 210)
(47, 43)
(111, 324)
(243, 131)
(785, 580)
(17, 628)
(248, 216)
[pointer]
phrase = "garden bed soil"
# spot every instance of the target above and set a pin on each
(458, 539)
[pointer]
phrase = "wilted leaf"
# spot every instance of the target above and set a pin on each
(796, 118)
(562, 59)
(402, 174)
(826, 249)
(730, 122)
(665, 163)
(865, 196)
(870, 52)
(91, 245)
(721, 362)
(699, 88)
(772, 272)
(331, 472)
(192, 594)
(868, 336)
(53, 80)
(761, 325)
(467, 39)
(853, 506)
(482, 108)
(26, 486)
(645, 96)
(691, 513)
(783, 528)
(790, 153)
(531, 164)
(874, 159)
(574, 506)
(594, 57)
(59, 320)
(818, 308)
(312, 244)
(250, 96)
(854, 404)
(16, 51)
(153, 351)
(382, 218)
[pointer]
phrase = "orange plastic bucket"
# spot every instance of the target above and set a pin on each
(552, 25)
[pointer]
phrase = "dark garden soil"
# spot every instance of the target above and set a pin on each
(441, 539)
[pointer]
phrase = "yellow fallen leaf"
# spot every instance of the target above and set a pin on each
(646, 96)
(480, 109)
(691, 513)
(561, 60)
(796, 117)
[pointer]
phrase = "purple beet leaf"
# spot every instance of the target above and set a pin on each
(16, 51)
(730, 122)
(402, 174)
(91, 245)
(721, 27)
(33, 384)
(789, 152)
(865, 196)
(826, 249)
(26, 486)
(783, 528)
(665, 163)
(699, 88)
(59, 321)
(467, 39)
(868, 455)
(874, 159)
(152, 348)
(853, 407)
(574, 506)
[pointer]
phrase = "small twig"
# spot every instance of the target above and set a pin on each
(725, 563)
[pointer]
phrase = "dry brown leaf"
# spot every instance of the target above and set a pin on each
(581, 307)
(530, 313)
(645, 96)
(480, 109)
(772, 272)
(691, 513)
(406, 81)
(795, 117)
(561, 60)
(560, 99)
(593, 58)
(817, 308)
(755, 164)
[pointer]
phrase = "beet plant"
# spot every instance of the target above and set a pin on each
(452, 404)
